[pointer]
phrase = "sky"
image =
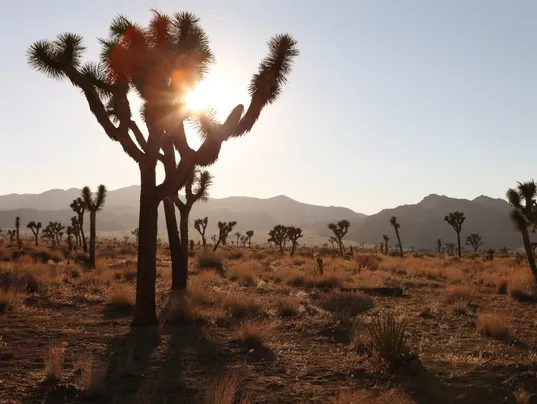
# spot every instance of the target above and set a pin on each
(389, 101)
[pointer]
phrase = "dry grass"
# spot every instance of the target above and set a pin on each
(392, 396)
(460, 294)
(225, 390)
(494, 325)
(287, 306)
(122, 300)
(241, 306)
(346, 305)
(252, 333)
(92, 379)
(8, 300)
(54, 362)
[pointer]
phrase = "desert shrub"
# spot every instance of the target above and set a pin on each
(251, 333)
(128, 249)
(460, 293)
(387, 338)
(494, 326)
(122, 300)
(225, 390)
(287, 306)
(501, 286)
(241, 306)
(520, 291)
(393, 396)
(330, 282)
(369, 261)
(54, 362)
(235, 255)
(8, 300)
(210, 260)
(346, 304)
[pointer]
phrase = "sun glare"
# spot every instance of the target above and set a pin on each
(213, 92)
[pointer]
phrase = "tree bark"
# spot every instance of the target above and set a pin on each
(83, 235)
(183, 231)
(145, 313)
(174, 240)
(93, 235)
(529, 252)
(459, 243)
(399, 241)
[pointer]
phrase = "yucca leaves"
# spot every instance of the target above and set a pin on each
(94, 204)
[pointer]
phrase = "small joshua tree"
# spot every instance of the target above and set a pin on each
(278, 235)
(70, 238)
(201, 226)
(93, 205)
(196, 190)
(244, 240)
(11, 233)
(294, 233)
(340, 230)
(381, 247)
(475, 241)
(450, 248)
(136, 234)
(224, 228)
(238, 235)
(333, 241)
(79, 207)
(75, 229)
(455, 220)
(386, 239)
(51, 232)
(250, 234)
(524, 215)
(396, 226)
(439, 245)
(35, 227)
(17, 227)
(505, 251)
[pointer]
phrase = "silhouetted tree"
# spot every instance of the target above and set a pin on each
(93, 205)
(450, 248)
(333, 241)
(70, 238)
(294, 233)
(162, 63)
(340, 230)
(201, 226)
(504, 251)
(238, 235)
(455, 220)
(244, 240)
(196, 190)
(524, 214)
(79, 207)
(250, 234)
(17, 228)
(381, 247)
(35, 227)
(396, 226)
(224, 228)
(475, 241)
(439, 245)
(76, 231)
(11, 233)
(51, 232)
(386, 239)
(278, 235)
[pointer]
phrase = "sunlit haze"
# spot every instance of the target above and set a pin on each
(389, 101)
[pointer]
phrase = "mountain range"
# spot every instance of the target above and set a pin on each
(422, 224)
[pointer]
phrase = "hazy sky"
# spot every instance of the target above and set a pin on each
(389, 101)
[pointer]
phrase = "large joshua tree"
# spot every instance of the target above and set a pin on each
(162, 63)
(93, 205)
(79, 207)
(340, 230)
(196, 190)
(524, 215)
(35, 227)
(396, 226)
(455, 220)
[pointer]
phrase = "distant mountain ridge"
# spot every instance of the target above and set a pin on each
(421, 224)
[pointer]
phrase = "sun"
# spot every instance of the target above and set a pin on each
(214, 92)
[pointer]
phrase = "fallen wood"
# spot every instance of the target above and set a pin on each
(393, 292)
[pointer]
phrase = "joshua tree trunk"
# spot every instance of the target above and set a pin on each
(183, 231)
(69, 242)
(93, 235)
(82, 234)
(529, 252)
(145, 309)
(399, 241)
(459, 243)
(176, 247)
(293, 245)
(36, 235)
(340, 242)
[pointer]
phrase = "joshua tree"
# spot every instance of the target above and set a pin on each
(93, 205)
(201, 226)
(244, 240)
(196, 190)
(278, 235)
(69, 238)
(475, 241)
(294, 233)
(51, 232)
(490, 254)
(35, 227)
(455, 220)
(224, 228)
(213, 237)
(393, 222)
(333, 241)
(340, 230)
(250, 234)
(524, 214)
(75, 225)
(450, 248)
(386, 239)
(11, 233)
(439, 245)
(136, 234)
(79, 207)
(504, 251)
(17, 227)
(238, 235)
(162, 63)
(381, 247)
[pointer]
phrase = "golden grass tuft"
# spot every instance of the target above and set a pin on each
(494, 325)
(8, 300)
(392, 396)
(460, 293)
(225, 389)
(122, 299)
(54, 362)
(287, 306)
(346, 305)
(252, 333)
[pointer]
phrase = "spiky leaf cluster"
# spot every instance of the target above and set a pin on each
(455, 220)
(224, 228)
(97, 203)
